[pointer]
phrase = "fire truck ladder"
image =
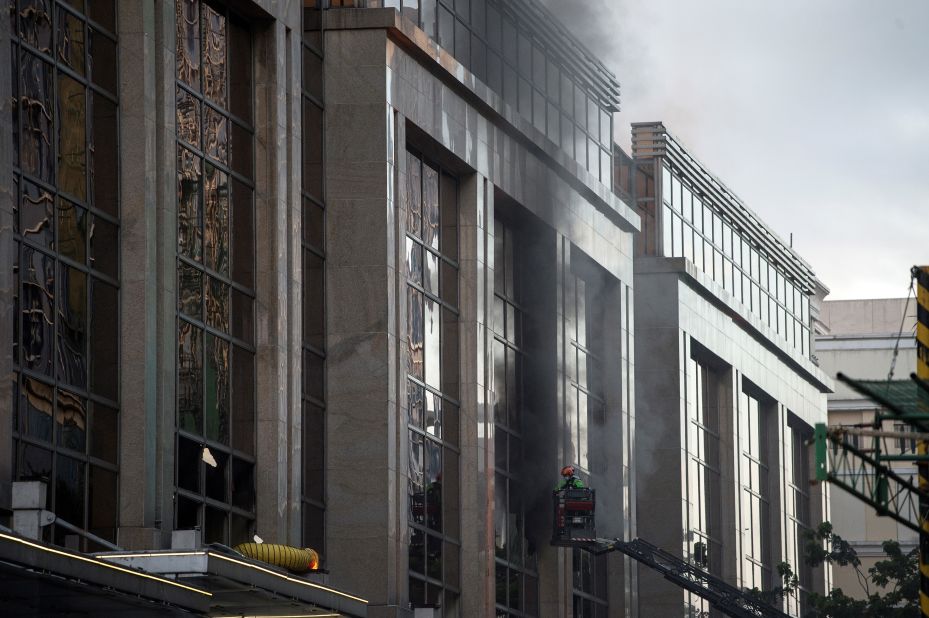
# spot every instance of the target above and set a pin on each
(725, 597)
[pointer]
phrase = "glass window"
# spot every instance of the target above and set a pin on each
(525, 55)
(431, 340)
(65, 262)
(666, 184)
(554, 80)
(606, 128)
(515, 558)
(727, 239)
(580, 106)
(755, 511)
(701, 543)
(666, 226)
(585, 402)
(313, 251)
(686, 203)
(215, 257)
(539, 66)
(698, 214)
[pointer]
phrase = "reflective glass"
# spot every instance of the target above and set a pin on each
(432, 344)
(214, 55)
(216, 304)
(413, 261)
(37, 116)
(104, 433)
(104, 338)
(102, 61)
(189, 213)
(216, 219)
(414, 195)
(35, 24)
(38, 313)
(37, 217)
(415, 332)
(217, 375)
(72, 231)
(190, 290)
(71, 41)
(243, 234)
(36, 409)
(190, 377)
(431, 273)
(187, 56)
(72, 327)
(243, 401)
(215, 135)
(71, 420)
(70, 490)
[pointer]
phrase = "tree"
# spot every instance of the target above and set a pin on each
(895, 580)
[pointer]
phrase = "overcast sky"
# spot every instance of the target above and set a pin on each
(815, 113)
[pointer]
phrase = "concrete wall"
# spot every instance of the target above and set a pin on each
(860, 342)
(148, 247)
(677, 308)
(389, 87)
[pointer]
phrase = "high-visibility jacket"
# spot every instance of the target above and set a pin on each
(571, 482)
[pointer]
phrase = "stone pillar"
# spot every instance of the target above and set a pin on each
(147, 294)
(630, 530)
(365, 525)
(729, 485)
(659, 446)
(278, 283)
(475, 201)
(555, 563)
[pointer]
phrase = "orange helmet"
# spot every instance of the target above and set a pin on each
(567, 471)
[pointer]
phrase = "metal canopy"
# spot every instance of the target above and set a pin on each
(243, 587)
(37, 579)
(904, 400)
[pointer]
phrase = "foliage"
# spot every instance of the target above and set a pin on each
(891, 586)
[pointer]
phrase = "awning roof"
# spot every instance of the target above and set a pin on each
(243, 587)
(37, 579)
(907, 400)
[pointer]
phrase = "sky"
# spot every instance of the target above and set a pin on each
(815, 113)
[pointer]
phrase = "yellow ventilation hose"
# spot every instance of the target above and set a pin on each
(293, 559)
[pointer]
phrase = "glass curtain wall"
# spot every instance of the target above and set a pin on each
(215, 457)
(431, 268)
(584, 402)
(756, 507)
(695, 228)
(66, 260)
(797, 473)
(584, 364)
(702, 505)
(496, 42)
(516, 566)
(313, 248)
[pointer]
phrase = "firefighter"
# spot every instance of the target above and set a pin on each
(569, 480)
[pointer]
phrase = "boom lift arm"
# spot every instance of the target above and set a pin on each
(573, 526)
(723, 596)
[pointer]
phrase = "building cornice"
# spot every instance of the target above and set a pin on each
(445, 66)
(653, 140)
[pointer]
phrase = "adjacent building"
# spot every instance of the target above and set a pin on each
(865, 339)
(349, 275)
(726, 390)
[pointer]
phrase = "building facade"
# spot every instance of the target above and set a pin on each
(726, 391)
(335, 274)
(861, 338)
